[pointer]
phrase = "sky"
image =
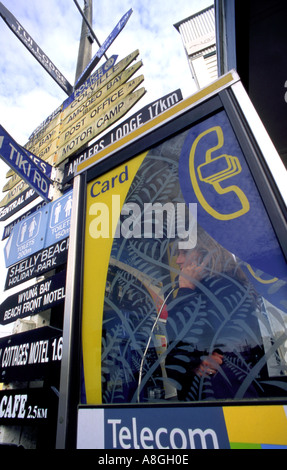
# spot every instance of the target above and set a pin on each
(27, 92)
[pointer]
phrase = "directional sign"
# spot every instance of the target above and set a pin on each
(35, 354)
(18, 202)
(51, 120)
(88, 113)
(98, 80)
(59, 219)
(37, 264)
(110, 39)
(91, 82)
(96, 95)
(16, 158)
(28, 406)
(34, 299)
(35, 50)
(40, 229)
(126, 127)
(8, 228)
(45, 140)
(43, 166)
(11, 182)
(27, 237)
(18, 189)
(69, 145)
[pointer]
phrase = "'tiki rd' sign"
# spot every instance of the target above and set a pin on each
(22, 164)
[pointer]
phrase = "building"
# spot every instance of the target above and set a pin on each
(199, 41)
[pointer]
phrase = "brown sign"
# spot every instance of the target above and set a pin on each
(95, 127)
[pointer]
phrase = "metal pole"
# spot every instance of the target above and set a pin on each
(85, 47)
(71, 359)
(89, 26)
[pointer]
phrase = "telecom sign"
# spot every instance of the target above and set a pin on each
(196, 427)
(39, 230)
(173, 428)
(35, 50)
(26, 168)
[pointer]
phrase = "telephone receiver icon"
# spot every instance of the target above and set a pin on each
(213, 171)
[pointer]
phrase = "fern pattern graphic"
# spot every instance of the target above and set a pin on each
(223, 313)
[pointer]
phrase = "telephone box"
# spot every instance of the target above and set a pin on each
(175, 319)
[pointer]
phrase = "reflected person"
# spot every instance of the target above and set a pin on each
(214, 340)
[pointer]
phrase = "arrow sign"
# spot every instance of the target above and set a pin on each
(97, 57)
(35, 50)
(44, 166)
(15, 178)
(16, 158)
(34, 299)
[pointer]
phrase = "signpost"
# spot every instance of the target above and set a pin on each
(38, 242)
(39, 230)
(122, 130)
(37, 264)
(35, 354)
(35, 299)
(35, 50)
(110, 39)
(16, 158)
(9, 207)
(75, 122)
(28, 406)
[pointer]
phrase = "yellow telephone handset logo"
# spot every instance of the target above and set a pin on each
(214, 171)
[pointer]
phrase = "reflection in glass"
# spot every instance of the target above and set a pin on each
(211, 332)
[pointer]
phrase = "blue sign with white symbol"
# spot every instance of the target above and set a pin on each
(41, 229)
(60, 218)
(27, 237)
